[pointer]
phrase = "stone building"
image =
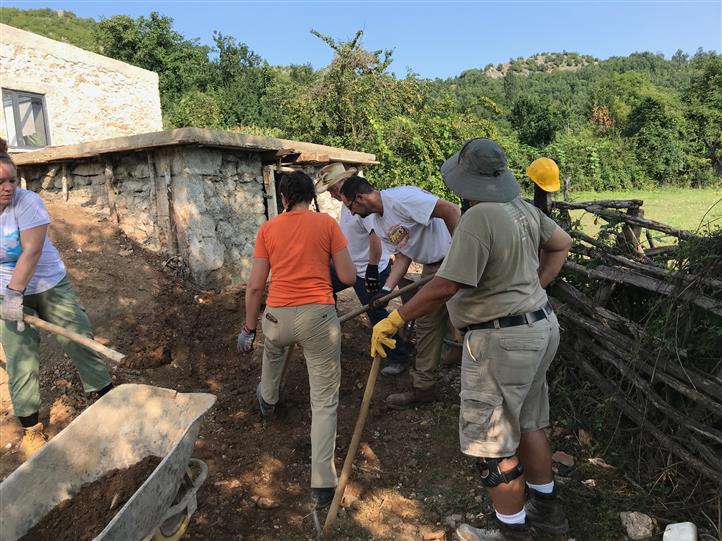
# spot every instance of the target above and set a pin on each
(197, 196)
(58, 94)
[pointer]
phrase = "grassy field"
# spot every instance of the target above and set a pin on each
(678, 207)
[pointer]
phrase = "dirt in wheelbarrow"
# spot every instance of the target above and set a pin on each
(409, 480)
(85, 515)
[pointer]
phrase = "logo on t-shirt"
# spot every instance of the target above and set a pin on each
(398, 235)
(10, 249)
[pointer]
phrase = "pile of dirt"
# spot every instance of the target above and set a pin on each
(84, 516)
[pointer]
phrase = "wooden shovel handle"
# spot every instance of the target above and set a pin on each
(75, 337)
(353, 447)
(411, 287)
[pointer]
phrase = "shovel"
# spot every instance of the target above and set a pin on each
(75, 337)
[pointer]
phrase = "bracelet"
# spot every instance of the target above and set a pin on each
(247, 330)
(17, 290)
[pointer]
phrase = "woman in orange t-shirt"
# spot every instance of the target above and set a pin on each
(298, 246)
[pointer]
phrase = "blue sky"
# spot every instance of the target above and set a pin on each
(434, 39)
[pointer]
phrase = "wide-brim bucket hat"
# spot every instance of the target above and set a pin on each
(479, 172)
(331, 174)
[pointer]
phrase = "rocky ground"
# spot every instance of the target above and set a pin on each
(409, 481)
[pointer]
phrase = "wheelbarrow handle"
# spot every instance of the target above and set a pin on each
(75, 337)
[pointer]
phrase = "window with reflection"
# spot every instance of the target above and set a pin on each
(25, 119)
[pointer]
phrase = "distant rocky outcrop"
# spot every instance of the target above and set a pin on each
(541, 62)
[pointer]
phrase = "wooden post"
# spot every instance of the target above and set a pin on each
(154, 212)
(632, 233)
(110, 191)
(164, 194)
(542, 200)
(269, 186)
(64, 182)
(163, 205)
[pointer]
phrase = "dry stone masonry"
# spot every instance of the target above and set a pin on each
(188, 194)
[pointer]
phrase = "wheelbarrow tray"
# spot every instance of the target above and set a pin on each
(123, 427)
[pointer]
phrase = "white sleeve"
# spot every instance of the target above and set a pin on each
(415, 204)
(30, 211)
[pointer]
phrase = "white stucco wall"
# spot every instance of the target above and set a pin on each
(87, 96)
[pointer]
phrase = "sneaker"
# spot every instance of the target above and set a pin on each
(33, 439)
(506, 532)
(412, 397)
(545, 513)
(394, 369)
(266, 408)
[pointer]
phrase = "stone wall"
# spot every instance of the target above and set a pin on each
(201, 204)
(87, 96)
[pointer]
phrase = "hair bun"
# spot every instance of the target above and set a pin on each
(3, 146)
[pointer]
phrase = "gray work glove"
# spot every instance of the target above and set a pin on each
(11, 308)
(244, 343)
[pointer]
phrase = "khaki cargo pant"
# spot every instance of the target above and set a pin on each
(430, 332)
(58, 305)
(503, 386)
(315, 327)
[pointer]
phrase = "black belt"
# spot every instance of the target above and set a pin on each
(512, 321)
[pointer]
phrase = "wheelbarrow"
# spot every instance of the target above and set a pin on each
(126, 425)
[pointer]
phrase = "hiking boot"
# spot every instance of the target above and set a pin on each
(545, 513)
(266, 408)
(509, 532)
(322, 497)
(394, 369)
(33, 439)
(410, 398)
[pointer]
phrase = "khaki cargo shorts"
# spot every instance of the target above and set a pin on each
(503, 386)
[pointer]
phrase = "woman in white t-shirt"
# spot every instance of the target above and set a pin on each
(33, 279)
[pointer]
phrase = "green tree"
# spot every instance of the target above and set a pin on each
(151, 43)
(536, 120)
(239, 78)
(704, 108)
(658, 135)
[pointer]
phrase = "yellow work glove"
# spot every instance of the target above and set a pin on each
(382, 333)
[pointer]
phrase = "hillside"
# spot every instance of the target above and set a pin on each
(60, 25)
(627, 122)
(540, 63)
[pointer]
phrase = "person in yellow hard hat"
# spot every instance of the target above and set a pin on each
(544, 172)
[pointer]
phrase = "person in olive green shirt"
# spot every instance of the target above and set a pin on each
(503, 254)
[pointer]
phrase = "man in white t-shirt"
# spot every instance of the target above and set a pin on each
(369, 254)
(419, 226)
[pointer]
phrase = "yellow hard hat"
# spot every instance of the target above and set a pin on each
(545, 174)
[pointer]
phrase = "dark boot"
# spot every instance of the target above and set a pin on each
(265, 408)
(322, 497)
(544, 512)
(410, 398)
(509, 532)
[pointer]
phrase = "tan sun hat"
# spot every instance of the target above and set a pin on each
(331, 174)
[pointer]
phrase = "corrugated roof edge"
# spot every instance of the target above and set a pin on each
(188, 136)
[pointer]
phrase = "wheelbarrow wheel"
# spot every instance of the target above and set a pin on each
(175, 526)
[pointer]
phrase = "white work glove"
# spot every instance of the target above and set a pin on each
(244, 342)
(11, 308)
